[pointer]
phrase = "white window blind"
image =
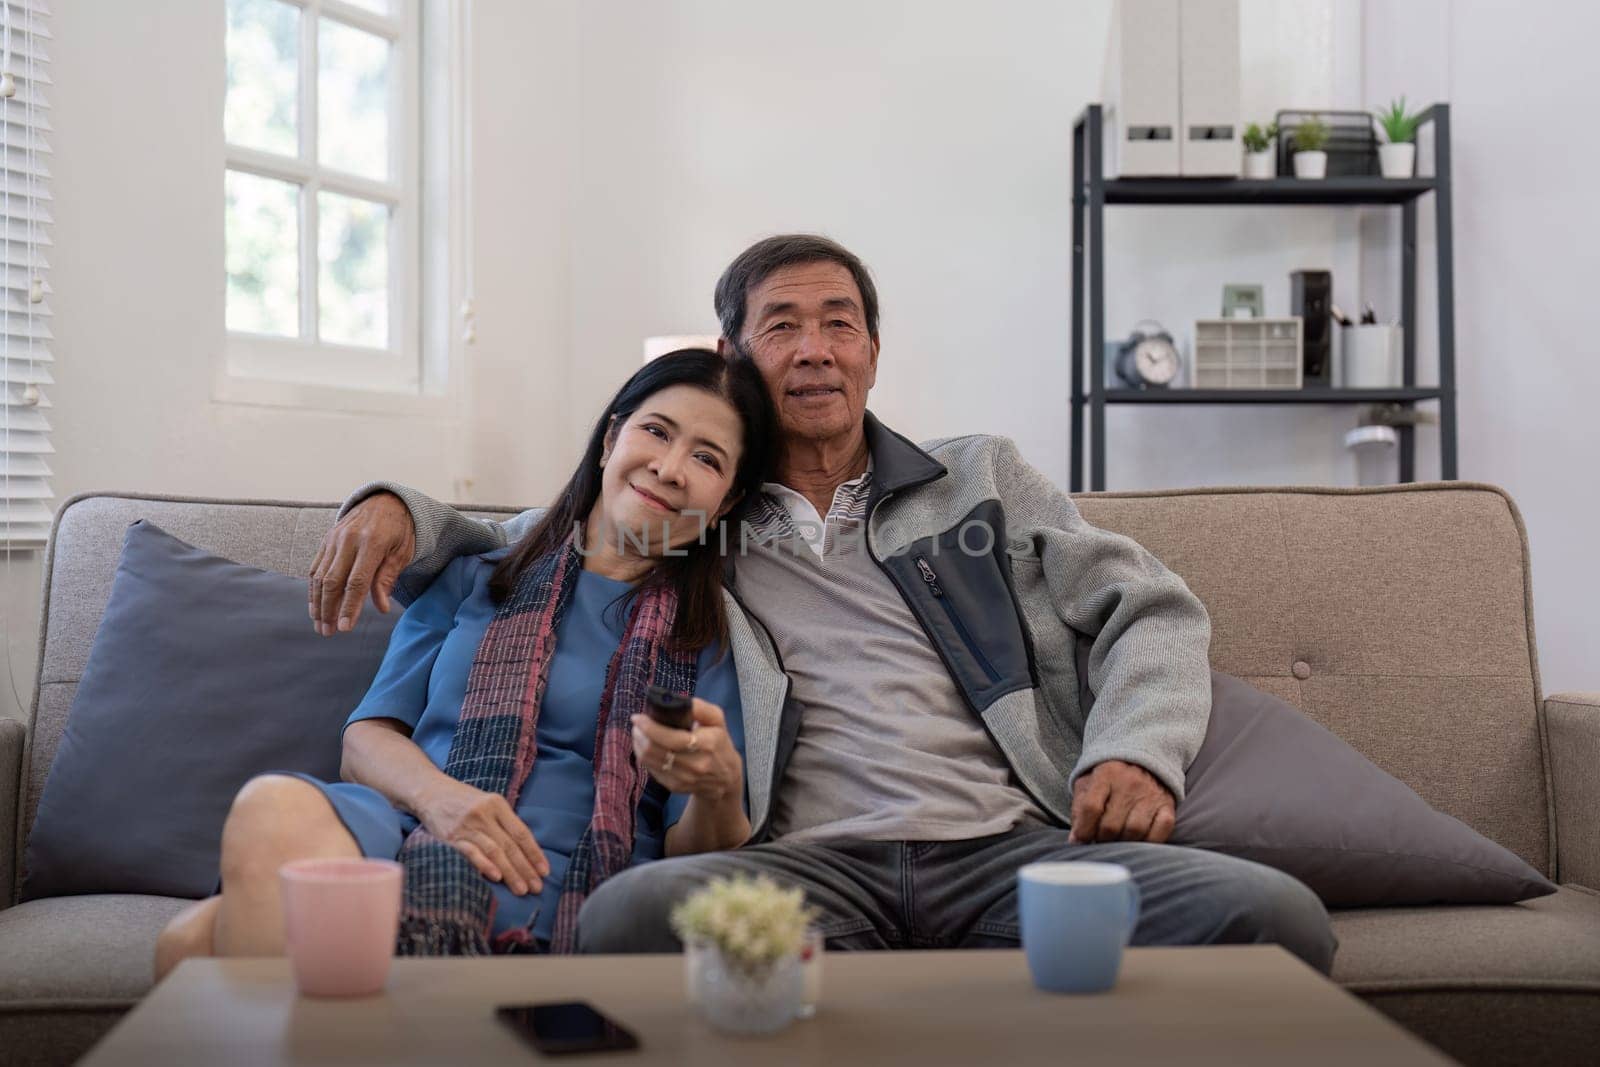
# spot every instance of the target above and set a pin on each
(24, 288)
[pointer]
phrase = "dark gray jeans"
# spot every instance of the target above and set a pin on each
(963, 894)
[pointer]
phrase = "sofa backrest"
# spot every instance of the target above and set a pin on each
(1399, 618)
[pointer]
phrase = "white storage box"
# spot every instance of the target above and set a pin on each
(1247, 354)
(1171, 89)
(1141, 90)
(1208, 72)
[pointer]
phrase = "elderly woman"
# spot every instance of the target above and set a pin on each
(494, 755)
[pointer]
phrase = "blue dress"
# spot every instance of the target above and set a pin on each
(423, 679)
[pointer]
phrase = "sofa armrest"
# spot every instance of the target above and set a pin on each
(12, 736)
(1572, 725)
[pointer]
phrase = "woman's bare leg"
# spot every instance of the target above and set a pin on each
(190, 933)
(274, 819)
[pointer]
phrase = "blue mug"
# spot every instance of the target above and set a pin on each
(1076, 920)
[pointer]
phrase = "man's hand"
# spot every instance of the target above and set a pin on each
(367, 549)
(1119, 801)
(701, 762)
(484, 828)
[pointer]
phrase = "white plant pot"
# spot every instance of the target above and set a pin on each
(1398, 160)
(1260, 165)
(695, 954)
(1311, 164)
(741, 1002)
(1371, 354)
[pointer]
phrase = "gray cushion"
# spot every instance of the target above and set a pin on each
(1552, 942)
(69, 968)
(81, 951)
(203, 673)
(1517, 984)
(1272, 786)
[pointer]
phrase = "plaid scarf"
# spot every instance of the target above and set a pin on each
(449, 906)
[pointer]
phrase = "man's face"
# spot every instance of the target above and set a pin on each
(806, 330)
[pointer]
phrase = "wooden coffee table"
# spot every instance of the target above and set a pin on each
(1191, 1006)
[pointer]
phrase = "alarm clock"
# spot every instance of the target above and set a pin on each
(1149, 359)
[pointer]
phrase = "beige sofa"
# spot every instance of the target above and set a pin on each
(1399, 618)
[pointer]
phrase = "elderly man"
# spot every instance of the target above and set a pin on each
(927, 605)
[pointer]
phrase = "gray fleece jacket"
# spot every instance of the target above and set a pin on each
(1032, 609)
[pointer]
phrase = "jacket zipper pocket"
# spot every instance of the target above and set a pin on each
(932, 581)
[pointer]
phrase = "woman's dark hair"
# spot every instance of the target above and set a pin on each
(696, 574)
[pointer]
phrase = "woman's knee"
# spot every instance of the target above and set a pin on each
(274, 818)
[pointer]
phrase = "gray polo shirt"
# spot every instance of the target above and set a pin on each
(887, 750)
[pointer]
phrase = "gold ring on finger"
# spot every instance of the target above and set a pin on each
(667, 763)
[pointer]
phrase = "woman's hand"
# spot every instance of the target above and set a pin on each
(701, 761)
(484, 828)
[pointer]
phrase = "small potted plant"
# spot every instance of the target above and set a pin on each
(1397, 157)
(1258, 162)
(1310, 142)
(742, 939)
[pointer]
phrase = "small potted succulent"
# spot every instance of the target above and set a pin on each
(742, 939)
(1258, 162)
(1397, 157)
(1310, 142)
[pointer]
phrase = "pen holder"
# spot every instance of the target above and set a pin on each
(1371, 356)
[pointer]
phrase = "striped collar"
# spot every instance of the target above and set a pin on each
(894, 464)
(782, 512)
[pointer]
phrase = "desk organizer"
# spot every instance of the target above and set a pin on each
(1247, 354)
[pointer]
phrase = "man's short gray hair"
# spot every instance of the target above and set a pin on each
(756, 263)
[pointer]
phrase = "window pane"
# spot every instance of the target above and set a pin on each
(353, 291)
(262, 105)
(353, 100)
(262, 223)
(381, 7)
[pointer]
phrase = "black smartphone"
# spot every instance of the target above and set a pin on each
(668, 708)
(558, 1029)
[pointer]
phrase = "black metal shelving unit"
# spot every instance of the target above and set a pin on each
(1092, 192)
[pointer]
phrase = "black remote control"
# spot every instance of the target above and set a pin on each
(668, 708)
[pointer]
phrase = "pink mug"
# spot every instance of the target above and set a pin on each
(340, 918)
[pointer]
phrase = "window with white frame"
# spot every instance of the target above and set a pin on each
(322, 192)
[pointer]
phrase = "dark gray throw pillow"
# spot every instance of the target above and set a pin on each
(203, 673)
(1271, 785)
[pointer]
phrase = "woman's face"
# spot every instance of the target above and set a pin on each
(668, 470)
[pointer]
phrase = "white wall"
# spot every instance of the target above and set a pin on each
(138, 301)
(624, 151)
(1526, 263)
(138, 282)
(523, 93)
(936, 143)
